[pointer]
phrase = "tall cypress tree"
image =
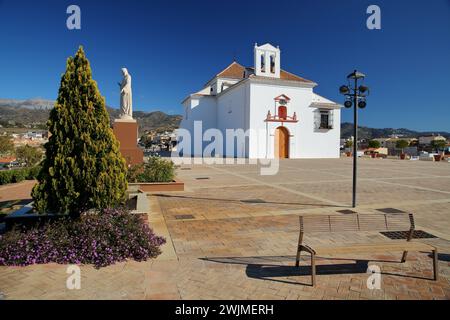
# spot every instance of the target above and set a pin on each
(83, 168)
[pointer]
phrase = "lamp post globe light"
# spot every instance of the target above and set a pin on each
(355, 97)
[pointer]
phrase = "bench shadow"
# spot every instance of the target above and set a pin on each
(269, 268)
(442, 257)
(272, 273)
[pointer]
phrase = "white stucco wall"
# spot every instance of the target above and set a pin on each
(305, 140)
(233, 113)
(216, 85)
(246, 105)
(200, 108)
(227, 82)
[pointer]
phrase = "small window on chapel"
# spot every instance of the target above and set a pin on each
(326, 121)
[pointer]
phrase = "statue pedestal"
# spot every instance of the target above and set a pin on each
(126, 131)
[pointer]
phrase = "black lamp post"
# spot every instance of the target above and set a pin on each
(356, 97)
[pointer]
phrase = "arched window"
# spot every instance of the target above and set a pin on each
(272, 64)
(263, 63)
(282, 112)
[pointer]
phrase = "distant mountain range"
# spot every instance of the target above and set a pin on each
(35, 112)
(371, 133)
(32, 104)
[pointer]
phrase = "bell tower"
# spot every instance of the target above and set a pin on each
(267, 61)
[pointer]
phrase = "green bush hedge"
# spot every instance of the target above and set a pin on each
(5, 177)
(155, 170)
(18, 175)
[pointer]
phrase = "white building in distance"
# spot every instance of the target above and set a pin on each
(282, 115)
(427, 140)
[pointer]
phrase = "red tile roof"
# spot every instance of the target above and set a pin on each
(237, 71)
(233, 71)
(284, 75)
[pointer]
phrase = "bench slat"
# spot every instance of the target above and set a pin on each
(357, 223)
(375, 247)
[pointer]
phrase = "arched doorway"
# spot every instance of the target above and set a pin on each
(281, 143)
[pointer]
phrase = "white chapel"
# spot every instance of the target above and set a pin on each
(281, 112)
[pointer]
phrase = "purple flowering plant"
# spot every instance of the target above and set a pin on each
(100, 239)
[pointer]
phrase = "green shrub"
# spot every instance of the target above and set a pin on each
(6, 177)
(375, 144)
(439, 145)
(33, 173)
(401, 144)
(18, 175)
(29, 155)
(134, 172)
(6, 145)
(155, 170)
(349, 144)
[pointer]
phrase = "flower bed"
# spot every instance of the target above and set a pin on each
(100, 239)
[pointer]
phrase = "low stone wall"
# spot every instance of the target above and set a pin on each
(26, 217)
(138, 203)
(158, 186)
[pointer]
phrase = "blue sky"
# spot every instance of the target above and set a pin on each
(172, 48)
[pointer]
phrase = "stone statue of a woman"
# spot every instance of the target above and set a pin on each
(126, 96)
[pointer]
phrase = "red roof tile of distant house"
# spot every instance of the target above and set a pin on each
(7, 159)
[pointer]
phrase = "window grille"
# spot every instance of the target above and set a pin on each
(324, 119)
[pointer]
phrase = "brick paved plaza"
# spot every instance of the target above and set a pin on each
(232, 234)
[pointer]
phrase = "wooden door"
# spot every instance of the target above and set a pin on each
(282, 143)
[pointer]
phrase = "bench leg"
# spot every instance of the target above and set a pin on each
(405, 255)
(299, 252)
(435, 265)
(313, 269)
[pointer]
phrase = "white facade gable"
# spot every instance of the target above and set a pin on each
(282, 115)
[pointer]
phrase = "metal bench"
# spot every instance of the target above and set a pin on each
(361, 223)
